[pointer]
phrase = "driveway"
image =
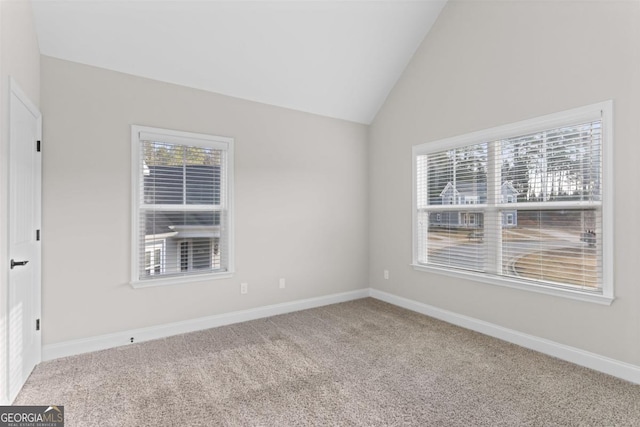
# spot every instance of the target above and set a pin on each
(471, 255)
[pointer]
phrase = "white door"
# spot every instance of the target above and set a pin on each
(24, 239)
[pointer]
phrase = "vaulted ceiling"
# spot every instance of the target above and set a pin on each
(334, 58)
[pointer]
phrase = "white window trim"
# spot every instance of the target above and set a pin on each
(175, 136)
(602, 110)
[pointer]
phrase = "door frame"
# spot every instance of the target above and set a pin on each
(15, 90)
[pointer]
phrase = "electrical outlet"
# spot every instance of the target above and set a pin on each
(386, 275)
(283, 284)
(244, 288)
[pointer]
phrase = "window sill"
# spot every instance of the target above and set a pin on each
(515, 284)
(179, 280)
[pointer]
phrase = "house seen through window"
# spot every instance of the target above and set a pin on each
(523, 204)
(182, 216)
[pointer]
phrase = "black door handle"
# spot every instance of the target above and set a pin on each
(18, 263)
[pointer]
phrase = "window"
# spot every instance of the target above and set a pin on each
(153, 254)
(542, 193)
(199, 254)
(182, 206)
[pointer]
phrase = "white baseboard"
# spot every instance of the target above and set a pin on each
(102, 342)
(580, 357)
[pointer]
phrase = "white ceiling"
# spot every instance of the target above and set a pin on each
(334, 58)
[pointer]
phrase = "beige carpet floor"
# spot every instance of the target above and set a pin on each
(361, 363)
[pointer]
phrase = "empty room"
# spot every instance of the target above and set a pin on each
(283, 213)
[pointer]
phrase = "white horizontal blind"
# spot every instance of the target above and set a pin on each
(556, 236)
(183, 212)
(527, 207)
(452, 196)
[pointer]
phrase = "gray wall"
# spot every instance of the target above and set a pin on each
(300, 197)
(486, 64)
(20, 59)
(311, 195)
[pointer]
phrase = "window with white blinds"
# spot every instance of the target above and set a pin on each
(182, 198)
(527, 204)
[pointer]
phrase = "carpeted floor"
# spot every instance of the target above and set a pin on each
(361, 363)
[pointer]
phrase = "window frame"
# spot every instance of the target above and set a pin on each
(603, 111)
(186, 138)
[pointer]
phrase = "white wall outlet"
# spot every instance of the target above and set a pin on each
(386, 275)
(283, 284)
(244, 288)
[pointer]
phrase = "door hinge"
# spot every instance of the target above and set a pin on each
(37, 324)
(38, 146)
(37, 235)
